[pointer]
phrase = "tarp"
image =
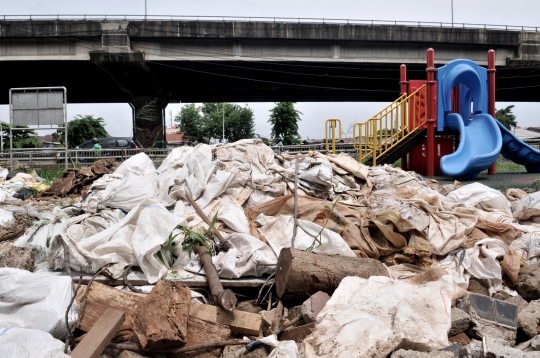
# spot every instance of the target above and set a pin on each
(373, 317)
(36, 301)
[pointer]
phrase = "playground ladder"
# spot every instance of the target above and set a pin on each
(390, 127)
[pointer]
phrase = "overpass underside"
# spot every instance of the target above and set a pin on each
(152, 63)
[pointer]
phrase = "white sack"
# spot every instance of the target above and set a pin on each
(139, 164)
(3, 173)
(36, 301)
(527, 208)
(6, 218)
(135, 240)
(29, 343)
(373, 317)
(281, 349)
(278, 232)
(176, 159)
(127, 193)
(248, 256)
(482, 197)
(528, 245)
(479, 261)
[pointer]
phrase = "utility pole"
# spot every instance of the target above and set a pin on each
(452, 8)
(170, 114)
(144, 10)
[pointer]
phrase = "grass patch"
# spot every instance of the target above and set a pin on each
(505, 165)
(50, 173)
(397, 163)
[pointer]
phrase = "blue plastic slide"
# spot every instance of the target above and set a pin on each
(479, 146)
(516, 150)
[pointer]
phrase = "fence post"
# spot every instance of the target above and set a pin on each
(403, 89)
(430, 142)
(31, 159)
(491, 95)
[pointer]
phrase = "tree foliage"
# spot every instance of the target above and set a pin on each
(25, 138)
(81, 129)
(506, 117)
(201, 124)
(284, 119)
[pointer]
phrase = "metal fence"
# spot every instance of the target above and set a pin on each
(319, 147)
(97, 17)
(77, 157)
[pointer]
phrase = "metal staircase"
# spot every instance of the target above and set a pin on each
(392, 132)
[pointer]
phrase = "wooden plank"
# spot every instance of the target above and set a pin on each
(200, 332)
(238, 321)
(161, 318)
(100, 335)
(99, 299)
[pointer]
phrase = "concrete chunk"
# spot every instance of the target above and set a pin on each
(460, 322)
(528, 283)
(529, 317)
(313, 305)
(495, 348)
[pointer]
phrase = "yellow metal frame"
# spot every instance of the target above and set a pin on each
(331, 122)
(389, 127)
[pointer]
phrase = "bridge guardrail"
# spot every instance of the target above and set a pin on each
(98, 17)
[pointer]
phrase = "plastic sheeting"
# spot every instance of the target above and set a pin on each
(134, 240)
(37, 301)
(29, 343)
(6, 217)
(278, 232)
(527, 208)
(481, 196)
(373, 317)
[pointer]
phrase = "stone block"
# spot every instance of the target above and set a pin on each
(495, 348)
(461, 338)
(529, 317)
(528, 283)
(313, 305)
(297, 334)
(403, 353)
(460, 322)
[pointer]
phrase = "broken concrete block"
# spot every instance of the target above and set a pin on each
(402, 353)
(267, 318)
(475, 286)
(535, 343)
(528, 283)
(460, 322)
(248, 306)
(495, 348)
(518, 301)
(529, 317)
(313, 305)
(490, 317)
(456, 347)
(297, 334)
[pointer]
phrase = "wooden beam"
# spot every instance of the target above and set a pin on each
(100, 335)
(238, 321)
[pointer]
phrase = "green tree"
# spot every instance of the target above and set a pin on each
(206, 122)
(506, 117)
(284, 119)
(24, 138)
(81, 129)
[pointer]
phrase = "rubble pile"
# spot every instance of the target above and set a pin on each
(232, 251)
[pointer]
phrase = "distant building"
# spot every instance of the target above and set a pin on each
(173, 137)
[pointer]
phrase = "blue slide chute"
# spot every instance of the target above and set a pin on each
(480, 138)
(516, 150)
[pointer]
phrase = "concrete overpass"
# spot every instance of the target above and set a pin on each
(241, 60)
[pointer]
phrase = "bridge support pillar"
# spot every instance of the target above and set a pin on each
(149, 120)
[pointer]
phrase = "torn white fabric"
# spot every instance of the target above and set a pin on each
(138, 164)
(248, 256)
(278, 232)
(373, 317)
(131, 190)
(134, 240)
(36, 301)
(527, 208)
(481, 196)
(479, 261)
(281, 349)
(6, 218)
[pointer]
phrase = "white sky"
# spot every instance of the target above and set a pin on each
(118, 116)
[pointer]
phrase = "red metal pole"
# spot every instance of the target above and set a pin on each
(430, 142)
(491, 95)
(403, 90)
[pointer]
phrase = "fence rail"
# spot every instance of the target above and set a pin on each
(98, 17)
(76, 157)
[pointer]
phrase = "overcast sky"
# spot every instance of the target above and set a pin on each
(118, 116)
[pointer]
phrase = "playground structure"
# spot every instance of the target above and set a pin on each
(442, 125)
